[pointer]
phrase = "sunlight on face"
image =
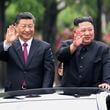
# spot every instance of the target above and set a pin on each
(87, 30)
(25, 29)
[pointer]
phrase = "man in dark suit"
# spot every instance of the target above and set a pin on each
(37, 69)
(86, 61)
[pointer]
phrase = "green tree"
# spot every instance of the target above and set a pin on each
(53, 15)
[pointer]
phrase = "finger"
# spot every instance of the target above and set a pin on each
(105, 86)
(102, 86)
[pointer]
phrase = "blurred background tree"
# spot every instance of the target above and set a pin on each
(54, 15)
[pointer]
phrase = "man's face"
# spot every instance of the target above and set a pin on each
(25, 29)
(86, 30)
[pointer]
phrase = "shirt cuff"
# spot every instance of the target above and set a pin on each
(6, 46)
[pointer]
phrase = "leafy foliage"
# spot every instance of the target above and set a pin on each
(32, 6)
(74, 8)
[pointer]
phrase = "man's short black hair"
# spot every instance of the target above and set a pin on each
(24, 15)
(83, 19)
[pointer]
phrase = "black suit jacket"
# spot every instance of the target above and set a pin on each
(88, 69)
(38, 72)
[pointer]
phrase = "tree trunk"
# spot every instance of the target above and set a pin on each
(98, 20)
(2, 18)
(49, 22)
(2, 26)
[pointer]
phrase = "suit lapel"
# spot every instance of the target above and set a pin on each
(18, 49)
(19, 56)
(33, 48)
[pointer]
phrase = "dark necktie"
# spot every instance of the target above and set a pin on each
(25, 54)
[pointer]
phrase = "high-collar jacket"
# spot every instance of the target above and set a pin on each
(85, 69)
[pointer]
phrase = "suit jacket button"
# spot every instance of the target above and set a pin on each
(80, 76)
(24, 72)
(81, 67)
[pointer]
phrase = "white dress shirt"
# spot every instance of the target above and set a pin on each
(28, 43)
(7, 45)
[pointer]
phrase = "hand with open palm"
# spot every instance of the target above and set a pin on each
(11, 34)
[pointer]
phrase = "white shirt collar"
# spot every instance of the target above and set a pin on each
(28, 42)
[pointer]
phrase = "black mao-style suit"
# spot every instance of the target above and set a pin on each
(88, 66)
(38, 72)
